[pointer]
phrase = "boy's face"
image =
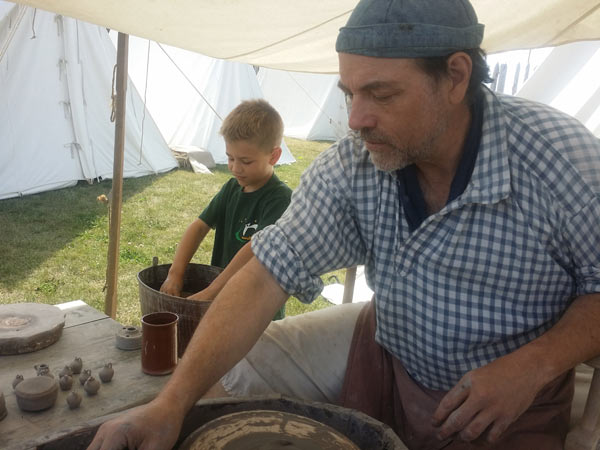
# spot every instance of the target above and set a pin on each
(251, 166)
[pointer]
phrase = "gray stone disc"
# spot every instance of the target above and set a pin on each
(27, 327)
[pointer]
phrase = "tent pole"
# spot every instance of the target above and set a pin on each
(110, 304)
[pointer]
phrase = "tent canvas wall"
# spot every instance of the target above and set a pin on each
(55, 106)
(311, 105)
(190, 94)
(569, 80)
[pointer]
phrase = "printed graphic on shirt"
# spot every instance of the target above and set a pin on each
(244, 234)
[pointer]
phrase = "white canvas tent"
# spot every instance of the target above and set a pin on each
(311, 105)
(569, 80)
(55, 106)
(189, 94)
(566, 77)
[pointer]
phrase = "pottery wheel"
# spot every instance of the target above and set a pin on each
(27, 327)
(266, 430)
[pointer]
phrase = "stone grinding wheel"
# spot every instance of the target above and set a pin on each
(266, 430)
(27, 327)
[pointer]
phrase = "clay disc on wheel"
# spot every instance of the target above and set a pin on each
(266, 430)
(27, 327)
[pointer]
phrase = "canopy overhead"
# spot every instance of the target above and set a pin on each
(300, 36)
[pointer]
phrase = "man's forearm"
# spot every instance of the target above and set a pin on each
(574, 339)
(251, 298)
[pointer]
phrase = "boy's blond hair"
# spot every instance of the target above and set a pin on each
(255, 121)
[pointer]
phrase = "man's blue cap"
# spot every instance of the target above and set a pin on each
(410, 28)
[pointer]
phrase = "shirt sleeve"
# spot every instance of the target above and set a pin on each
(318, 231)
(582, 236)
(274, 209)
(212, 212)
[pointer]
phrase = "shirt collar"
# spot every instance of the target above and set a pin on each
(490, 180)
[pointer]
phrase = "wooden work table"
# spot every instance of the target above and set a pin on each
(90, 335)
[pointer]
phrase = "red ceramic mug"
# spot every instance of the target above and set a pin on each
(159, 343)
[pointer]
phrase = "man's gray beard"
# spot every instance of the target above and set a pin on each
(396, 158)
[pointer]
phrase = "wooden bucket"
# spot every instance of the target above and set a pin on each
(196, 278)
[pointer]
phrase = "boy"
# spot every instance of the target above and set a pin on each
(250, 201)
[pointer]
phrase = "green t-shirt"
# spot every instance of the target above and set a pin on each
(236, 215)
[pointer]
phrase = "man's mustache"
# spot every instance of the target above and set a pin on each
(370, 135)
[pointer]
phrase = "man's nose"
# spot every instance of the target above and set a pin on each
(359, 115)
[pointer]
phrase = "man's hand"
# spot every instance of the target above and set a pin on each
(172, 286)
(486, 401)
(147, 427)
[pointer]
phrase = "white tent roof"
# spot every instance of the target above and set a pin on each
(311, 105)
(300, 35)
(55, 106)
(189, 94)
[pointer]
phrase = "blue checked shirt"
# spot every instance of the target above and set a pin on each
(494, 269)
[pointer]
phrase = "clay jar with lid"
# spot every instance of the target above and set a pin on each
(36, 394)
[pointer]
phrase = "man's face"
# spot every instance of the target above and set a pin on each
(400, 112)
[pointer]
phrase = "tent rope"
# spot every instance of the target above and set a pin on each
(33, 23)
(13, 29)
(190, 81)
(145, 96)
(331, 119)
(113, 95)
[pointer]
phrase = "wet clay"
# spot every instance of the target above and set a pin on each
(266, 430)
(272, 441)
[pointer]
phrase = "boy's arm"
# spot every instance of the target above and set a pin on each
(194, 234)
(239, 260)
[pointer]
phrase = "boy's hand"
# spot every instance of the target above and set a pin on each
(204, 294)
(172, 286)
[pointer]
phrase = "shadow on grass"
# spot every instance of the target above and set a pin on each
(34, 227)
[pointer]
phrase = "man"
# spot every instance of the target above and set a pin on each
(476, 217)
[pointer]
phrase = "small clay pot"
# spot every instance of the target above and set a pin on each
(17, 380)
(91, 386)
(73, 400)
(85, 374)
(106, 373)
(43, 370)
(65, 382)
(76, 365)
(65, 371)
(3, 411)
(37, 393)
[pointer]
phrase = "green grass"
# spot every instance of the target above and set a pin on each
(54, 245)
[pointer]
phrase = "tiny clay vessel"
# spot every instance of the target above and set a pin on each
(65, 382)
(17, 380)
(85, 374)
(73, 400)
(106, 373)
(65, 371)
(91, 386)
(43, 370)
(76, 365)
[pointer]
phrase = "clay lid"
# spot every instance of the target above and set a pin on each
(36, 387)
(262, 429)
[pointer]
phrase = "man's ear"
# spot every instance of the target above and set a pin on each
(459, 73)
(275, 155)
